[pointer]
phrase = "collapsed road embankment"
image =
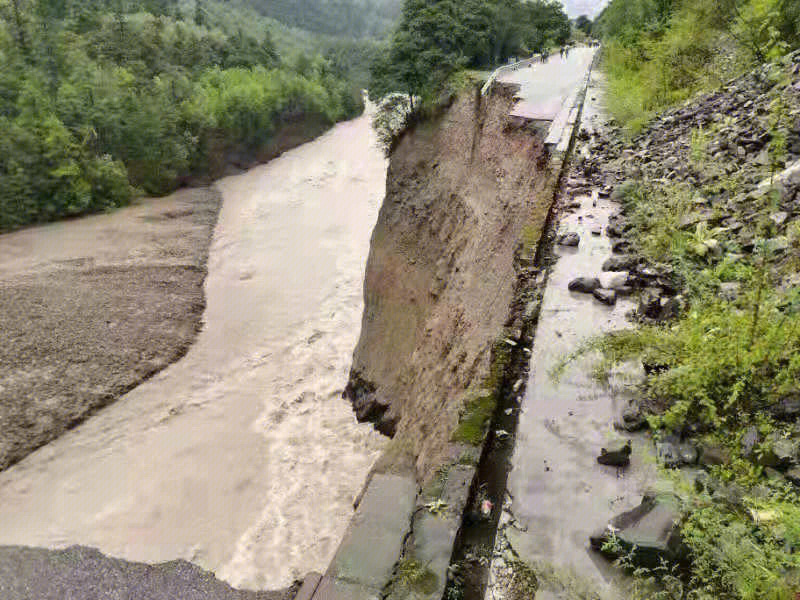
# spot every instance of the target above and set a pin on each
(461, 194)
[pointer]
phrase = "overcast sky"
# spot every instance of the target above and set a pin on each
(576, 8)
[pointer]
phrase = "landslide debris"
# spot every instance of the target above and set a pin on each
(461, 188)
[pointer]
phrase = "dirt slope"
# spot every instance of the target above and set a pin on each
(440, 275)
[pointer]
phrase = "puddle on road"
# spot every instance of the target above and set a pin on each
(241, 457)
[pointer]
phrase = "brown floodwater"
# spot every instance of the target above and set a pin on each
(242, 456)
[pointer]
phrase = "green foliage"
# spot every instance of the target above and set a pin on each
(733, 557)
(412, 576)
(435, 39)
(699, 146)
(583, 23)
(660, 52)
(655, 214)
(96, 98)
(354, 18)
(475, 419)
(723, 364)
(46, 173)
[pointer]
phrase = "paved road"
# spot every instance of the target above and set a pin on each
(560, 495)
(545, 86)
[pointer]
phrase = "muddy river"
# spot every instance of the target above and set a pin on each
(242, 456)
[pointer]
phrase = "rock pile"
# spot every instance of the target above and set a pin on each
(735, 156)
(738, 148)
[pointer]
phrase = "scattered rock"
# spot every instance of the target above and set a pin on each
(779, 218)
(650, 304)
(626, 262)
(780, 452)
(730, 290)
(570, 239)
(713, 454)
(786, 409)
(674, 453)
(793, 475)
(631, 417)
(614, 280)
(671, 308)
(750, 440)
(617, 456)
(585, 285)
(605, 296)
(621, 247)
(650, 532)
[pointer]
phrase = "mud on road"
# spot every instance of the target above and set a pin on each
(90, 308)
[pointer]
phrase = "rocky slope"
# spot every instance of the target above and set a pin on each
(55, 574)
(440, 274)
(722, 152)
(708, 237)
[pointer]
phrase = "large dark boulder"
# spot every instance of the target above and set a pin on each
(585, 285)
(616, 456)
(369, 405)
(649, 533)
(623, 262)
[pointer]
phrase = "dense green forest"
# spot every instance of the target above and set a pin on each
(100, 99)
(437, 38)
(660, 52)
(356, 18)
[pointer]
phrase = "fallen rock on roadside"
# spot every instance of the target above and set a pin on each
(570, 239)
(617, 456)
(584, 285)
(649, 533)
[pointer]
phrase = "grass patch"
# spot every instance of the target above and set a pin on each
(722, 365)
(412, 576)
(475, 419)
(481, 404)
(435, 486)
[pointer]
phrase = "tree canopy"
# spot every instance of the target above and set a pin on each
(659, 52)
(436, 37)
(101, 98)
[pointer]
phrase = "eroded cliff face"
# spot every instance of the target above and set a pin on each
(440, 275)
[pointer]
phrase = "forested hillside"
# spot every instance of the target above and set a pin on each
(356, 18)
(99, 99)
(660, 52)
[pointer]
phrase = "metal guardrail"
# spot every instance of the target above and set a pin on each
(509, 69)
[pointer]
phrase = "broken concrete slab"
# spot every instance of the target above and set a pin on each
(373, 542)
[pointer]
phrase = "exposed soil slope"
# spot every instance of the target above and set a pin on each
(92, 307)
(440, 273)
